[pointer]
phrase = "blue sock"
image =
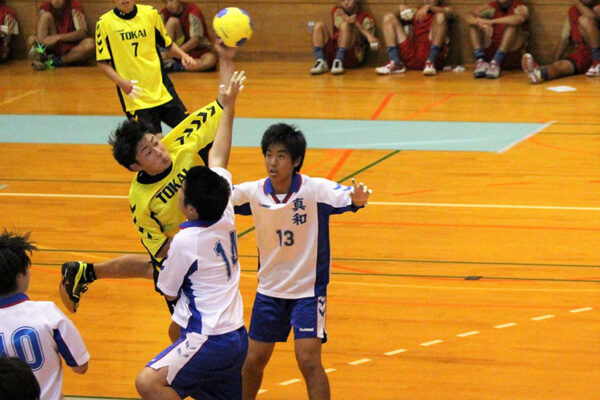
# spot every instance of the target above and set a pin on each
(479, 53)
(56, 61)
(318, 52)
(499, 57)
(393, 54)
(433, 52)
(544, 73)
(596, 53)
(341, 53)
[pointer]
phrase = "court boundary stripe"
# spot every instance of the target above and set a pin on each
(368, 260)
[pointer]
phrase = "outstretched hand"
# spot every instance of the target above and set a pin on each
(222, 50)
(228, 95)
(360, 194)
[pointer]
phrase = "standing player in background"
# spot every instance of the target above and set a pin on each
(498, 32)
(581, 27)
(127, 53)
(35, 331)
(185, 24)
(60, 35)
(426, 47)
(202, 274)
(9, 28)
(353, 33)
(291, 215)
(160, 165)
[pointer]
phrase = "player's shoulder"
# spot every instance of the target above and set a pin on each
(146, 9)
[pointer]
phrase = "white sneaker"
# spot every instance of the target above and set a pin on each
(429, 69)
(481, 68)
(319, 67)
(391, 68)
(493, 71)
(594, 70)
(337, 68)
(531, 69)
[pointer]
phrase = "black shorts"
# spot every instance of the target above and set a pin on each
(171, 113)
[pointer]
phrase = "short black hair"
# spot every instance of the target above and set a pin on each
(13, 259)
(207, 192)
(125, 139)
(18, 380)
(290, 137)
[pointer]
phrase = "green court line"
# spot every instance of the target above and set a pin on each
(343, 179)
(464, 277)
(367, 260)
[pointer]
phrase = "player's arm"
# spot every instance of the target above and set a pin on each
(472, 17)
(80, 369)
(226, 66)
(175, 51)
(368, 31)
(221, 148)
(520, 16)
(562, 45)
(127, 86)
(585, 10)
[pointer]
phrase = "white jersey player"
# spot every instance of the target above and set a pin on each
(202, 272)
(35, 331)
(291, 215)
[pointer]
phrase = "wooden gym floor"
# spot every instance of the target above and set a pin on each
(471, 275)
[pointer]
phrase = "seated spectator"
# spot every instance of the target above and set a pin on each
(499, 32)
(425, 46)
(61, 36)
(185, 24)
(9, 27)
(581, 28)
(353, 31)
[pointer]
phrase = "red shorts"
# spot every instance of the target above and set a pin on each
(581, 58)
(512, 60)
(414, 53)
(198, 52)
(353, 56)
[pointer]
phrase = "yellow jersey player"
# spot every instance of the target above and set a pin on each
(126, 51)
(160, 164)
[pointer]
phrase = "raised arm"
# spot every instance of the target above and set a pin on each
(226, 67)
(221, 148)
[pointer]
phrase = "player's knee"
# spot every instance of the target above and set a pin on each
(173, 22)
(439, 18)
(585, 22)
(389, 19)
(309, 365)
(145, 383)
(256, 360)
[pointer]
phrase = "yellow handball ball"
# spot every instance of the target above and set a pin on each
(233, 25)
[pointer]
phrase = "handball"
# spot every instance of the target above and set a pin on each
(233, 25)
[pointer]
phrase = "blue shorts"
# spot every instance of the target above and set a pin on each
(273, 317)
(205, 367)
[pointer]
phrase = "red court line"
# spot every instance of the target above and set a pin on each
(382, 106)
(336, 168)
(364, 271)
(429, 107)
(535, 141)
(510, 183)
(414, 192)
(326, 156)
(535, 227)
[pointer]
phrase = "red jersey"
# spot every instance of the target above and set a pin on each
(574, 15)
(499, 13)
(421, 28)
(8, 18)
(362, 17)
(192, 21)
(70, 18)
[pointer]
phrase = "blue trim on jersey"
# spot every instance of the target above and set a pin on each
(195, 322)
(63, 349)
(12, 300)
(323, 249)
(166, 351)
(200, 223)
(294, 188)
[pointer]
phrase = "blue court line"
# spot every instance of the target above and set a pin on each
(320, 133)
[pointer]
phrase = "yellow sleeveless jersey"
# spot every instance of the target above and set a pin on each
(153, 199)
(129, 42)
